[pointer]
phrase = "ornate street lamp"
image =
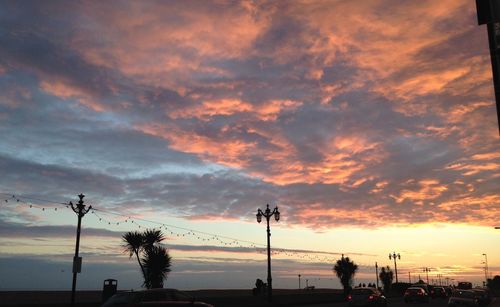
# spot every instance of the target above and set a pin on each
(80, 211)
(427, 270)
(268, 214)
(394, 256)
(486, 267)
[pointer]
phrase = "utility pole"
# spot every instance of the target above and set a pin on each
(299, 281)
(376, 273)
(80, 211)
(409, 277)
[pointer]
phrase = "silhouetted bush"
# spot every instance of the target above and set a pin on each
(260, 287)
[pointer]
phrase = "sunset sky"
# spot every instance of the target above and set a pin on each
(370, 124)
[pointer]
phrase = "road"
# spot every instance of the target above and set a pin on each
(398, 302)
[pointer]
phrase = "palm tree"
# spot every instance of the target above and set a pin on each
(386, 276)
(157, 264)
(134, 243)
(345, 270)
(151, 237)
(152, 258)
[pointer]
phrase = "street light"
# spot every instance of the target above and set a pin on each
(80, 211)
(486, 267)
(394, 256)
(268, 214)
(427, 270)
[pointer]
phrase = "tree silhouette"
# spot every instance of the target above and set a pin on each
(345, 270)
(156, 263)
(153, 258)
(386, 276)
(151, 237)
(134, 245)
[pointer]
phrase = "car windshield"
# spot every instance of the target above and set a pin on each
(414, 290)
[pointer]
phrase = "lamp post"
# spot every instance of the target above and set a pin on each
(80, 211)
(427, 270)
(487, 13)
(486, 267)
(394, 256)
(268, 214)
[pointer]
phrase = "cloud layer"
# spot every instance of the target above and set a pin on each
(343, 113)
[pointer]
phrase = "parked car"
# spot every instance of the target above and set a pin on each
(464, 285)
(153, 297)
(366, 297)
(416, 294)
(483, 295)
(423, 286)
(466, 298)
(438, 292)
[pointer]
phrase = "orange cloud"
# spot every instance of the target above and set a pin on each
(422, 190)
(283, 164)
(65, 91)
(208, 109)
(164, 45)
(484, 209)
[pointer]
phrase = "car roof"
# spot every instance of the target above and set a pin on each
(150, 290)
